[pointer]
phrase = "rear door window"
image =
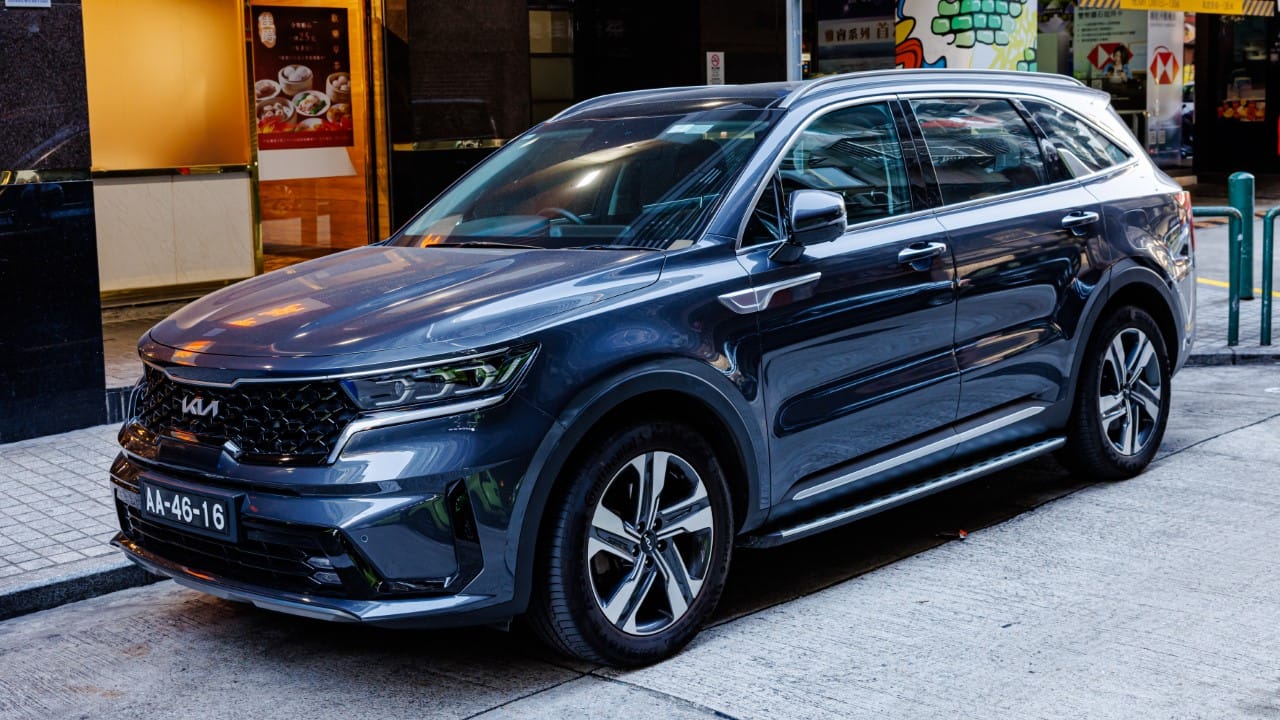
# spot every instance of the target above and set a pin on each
(1081, 149)
(979, 147)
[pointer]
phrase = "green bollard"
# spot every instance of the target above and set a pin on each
(1268, 253)
(1234, 253)
(1240, 196)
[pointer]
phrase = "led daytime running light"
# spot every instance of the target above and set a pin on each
(463, 379)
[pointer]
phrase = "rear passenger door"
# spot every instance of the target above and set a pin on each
(1020, 235)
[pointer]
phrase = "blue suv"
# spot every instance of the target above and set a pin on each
(660, 326)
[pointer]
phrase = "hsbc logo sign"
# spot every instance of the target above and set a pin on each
(1164, 66)
(197, 406)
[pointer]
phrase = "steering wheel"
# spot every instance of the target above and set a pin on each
(554, 212)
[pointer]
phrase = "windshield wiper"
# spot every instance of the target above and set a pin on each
(486, 244)
(614, 247)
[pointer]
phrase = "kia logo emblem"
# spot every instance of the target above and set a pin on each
(197, 406)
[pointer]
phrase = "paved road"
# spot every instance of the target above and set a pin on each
(1153, 598)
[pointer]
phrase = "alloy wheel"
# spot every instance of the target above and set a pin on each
(1130, 391)
(650, 542)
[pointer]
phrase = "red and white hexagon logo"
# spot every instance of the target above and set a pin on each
(1164, 66)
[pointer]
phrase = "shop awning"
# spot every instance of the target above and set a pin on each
(1265, 8)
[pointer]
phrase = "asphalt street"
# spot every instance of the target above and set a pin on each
(1152, 598)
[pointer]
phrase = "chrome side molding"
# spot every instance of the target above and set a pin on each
(920, 452)
(755, 299)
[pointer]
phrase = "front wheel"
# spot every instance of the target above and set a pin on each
(1122, 399)
(638, 552)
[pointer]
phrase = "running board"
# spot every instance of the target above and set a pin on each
(880, 504)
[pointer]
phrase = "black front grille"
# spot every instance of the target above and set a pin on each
(290, 558)
(294, 422)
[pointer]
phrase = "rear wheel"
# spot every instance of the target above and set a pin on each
(638, 550)
(1122, 400)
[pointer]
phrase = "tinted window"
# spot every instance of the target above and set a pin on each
(979, 147)
(854, 152)
(1081, 149)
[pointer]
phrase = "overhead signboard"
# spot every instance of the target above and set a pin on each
(1265, 8)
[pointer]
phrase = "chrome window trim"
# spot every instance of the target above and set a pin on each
(920, 452)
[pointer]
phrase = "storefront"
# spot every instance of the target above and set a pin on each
(231, 138)
(228, 139)
(160, 149)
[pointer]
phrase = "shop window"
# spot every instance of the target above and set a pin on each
(1244, 94)
(1081, 149)
(551, 71)
(979, 147)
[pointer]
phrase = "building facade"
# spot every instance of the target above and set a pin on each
(159, 149)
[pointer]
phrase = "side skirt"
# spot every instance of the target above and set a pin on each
(786, 534)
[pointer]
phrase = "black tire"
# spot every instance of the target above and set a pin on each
(577, 566)
(1115, 430)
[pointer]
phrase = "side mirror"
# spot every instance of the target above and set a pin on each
(816, 216)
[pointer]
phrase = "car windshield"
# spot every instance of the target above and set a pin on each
(635, 182)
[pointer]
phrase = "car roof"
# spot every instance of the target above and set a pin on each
(782, 95)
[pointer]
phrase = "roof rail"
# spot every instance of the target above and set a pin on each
(613, 98)
(853, 78)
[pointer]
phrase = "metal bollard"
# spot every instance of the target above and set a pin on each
(1234, 254)
(1268, 245)
(1240, 196)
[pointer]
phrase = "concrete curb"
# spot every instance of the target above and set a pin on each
(71, 583)
(1233, 357)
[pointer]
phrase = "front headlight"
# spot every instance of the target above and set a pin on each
(454, 380)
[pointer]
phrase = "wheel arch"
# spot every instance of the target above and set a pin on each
(1130, 283)
(681, 389)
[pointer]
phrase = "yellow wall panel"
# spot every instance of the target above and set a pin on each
(167, 83)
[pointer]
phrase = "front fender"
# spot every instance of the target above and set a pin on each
(689, 377)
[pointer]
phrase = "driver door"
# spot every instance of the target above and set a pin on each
(857, 335)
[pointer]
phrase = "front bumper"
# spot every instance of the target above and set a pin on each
(410, 527)
(441, 611)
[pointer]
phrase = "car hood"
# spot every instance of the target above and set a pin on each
(382, 298)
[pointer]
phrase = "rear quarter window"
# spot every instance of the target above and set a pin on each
(1081, 149)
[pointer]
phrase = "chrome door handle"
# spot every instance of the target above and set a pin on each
(920, 255)
(1079, 218)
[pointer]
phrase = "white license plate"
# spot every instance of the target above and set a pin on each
(199, 512)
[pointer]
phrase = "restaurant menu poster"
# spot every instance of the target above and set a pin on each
(302, 77)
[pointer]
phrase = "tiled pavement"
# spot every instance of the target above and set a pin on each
(54, 508)
(56, 513)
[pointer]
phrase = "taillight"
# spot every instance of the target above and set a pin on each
(1184, 200)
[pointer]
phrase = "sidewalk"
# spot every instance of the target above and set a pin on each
(57, 514)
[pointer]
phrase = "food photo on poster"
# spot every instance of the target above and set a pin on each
(302, 77)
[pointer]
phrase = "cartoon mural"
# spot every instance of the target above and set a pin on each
(988, 34)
